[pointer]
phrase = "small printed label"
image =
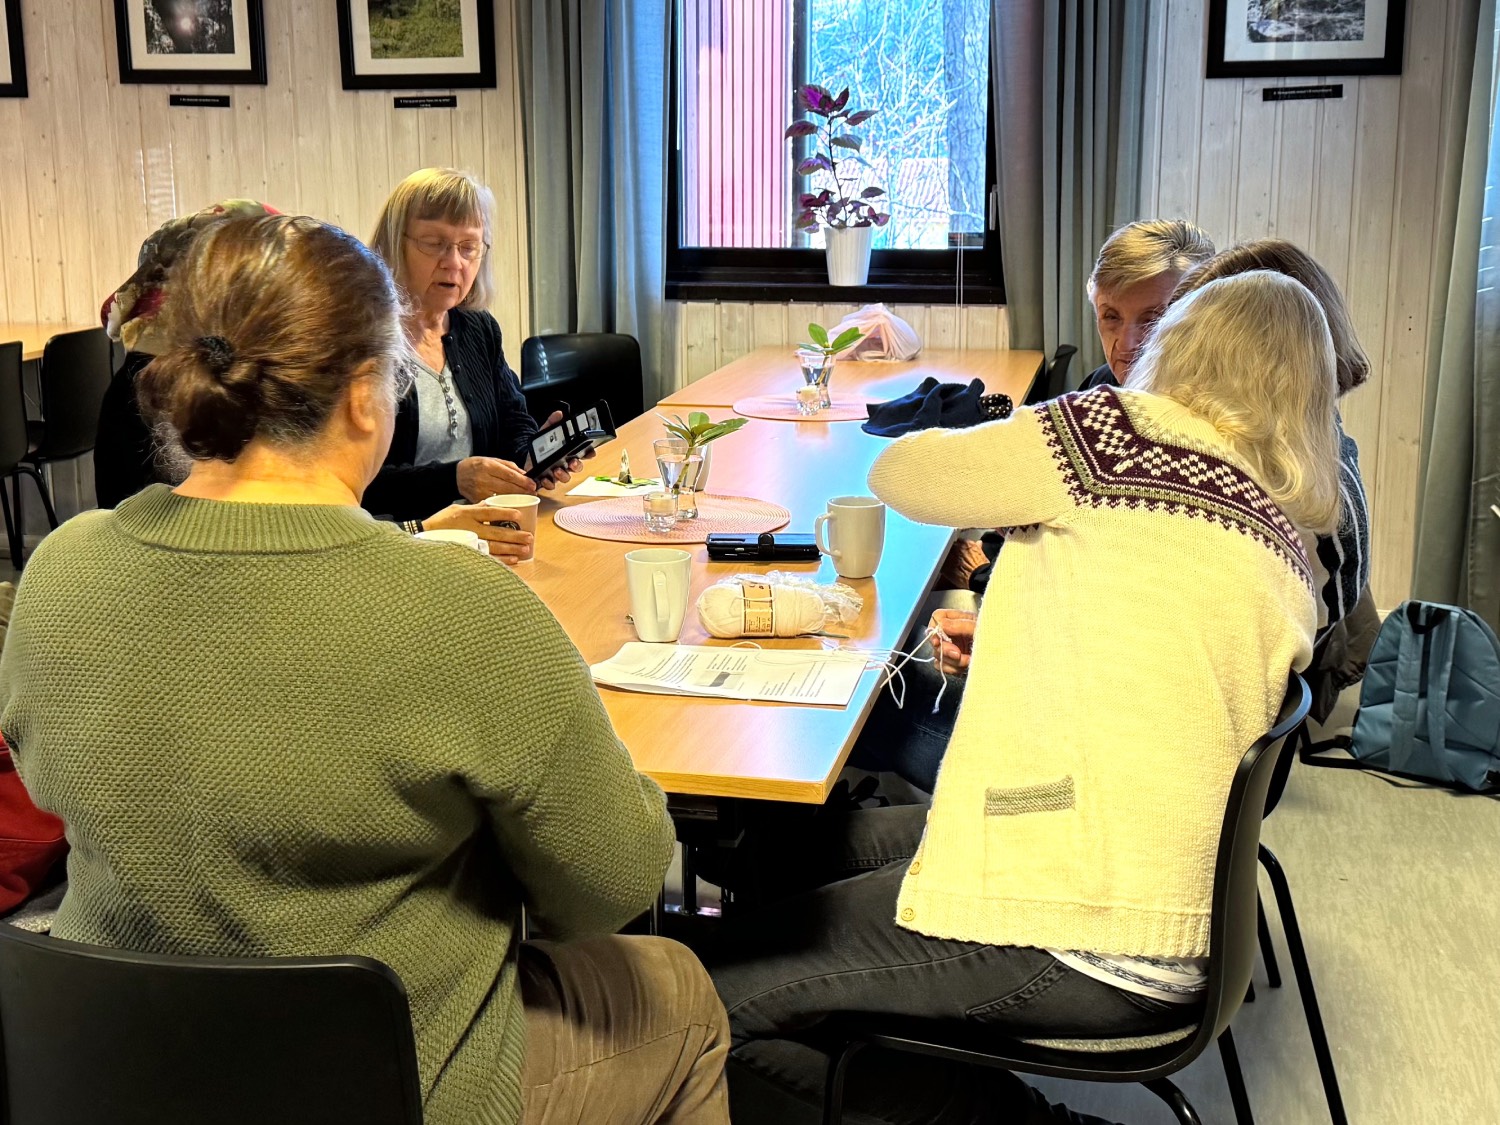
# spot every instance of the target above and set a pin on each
(428, 101)
(1301, 93)
(211, 101)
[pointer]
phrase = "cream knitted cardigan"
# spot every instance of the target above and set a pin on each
(1134, 641)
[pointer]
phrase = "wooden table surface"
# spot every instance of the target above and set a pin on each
(726, 748)
(774, 370)
(34, 336)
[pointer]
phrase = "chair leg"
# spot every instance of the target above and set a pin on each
(12, 538)
(1267, 950)
(833, 1092)
(1303, 973)
(1239, 1097)
(1175, 1099)
(41, 486)
(689, 881)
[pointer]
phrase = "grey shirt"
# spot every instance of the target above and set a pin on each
(443, 430)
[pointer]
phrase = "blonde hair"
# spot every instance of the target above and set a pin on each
(1140, 251)
(1252, 355)
(1351, 363)
(450, 196)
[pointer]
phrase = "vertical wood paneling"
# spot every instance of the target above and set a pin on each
(89, 167)
(1182, 105)
(1419, 153)
(1354, 181)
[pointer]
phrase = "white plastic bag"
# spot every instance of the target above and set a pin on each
(886, 335)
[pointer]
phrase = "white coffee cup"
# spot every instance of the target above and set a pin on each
(853, 534)
(659, 579)
(468, 539)
(525, 506)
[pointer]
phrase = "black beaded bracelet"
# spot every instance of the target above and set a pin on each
(995, 406)
(412, 527)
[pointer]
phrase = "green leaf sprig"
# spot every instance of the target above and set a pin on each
(845, 339)
(698, 430)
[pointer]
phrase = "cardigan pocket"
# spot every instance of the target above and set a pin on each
(1030, 839)
(1049, 796)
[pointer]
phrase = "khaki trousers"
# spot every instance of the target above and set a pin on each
(621, 1031)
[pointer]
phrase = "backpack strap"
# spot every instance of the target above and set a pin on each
(1424, 620)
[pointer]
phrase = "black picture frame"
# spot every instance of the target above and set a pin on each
(359, 75)
(15, 44)
(194, 73)
(1229, 43)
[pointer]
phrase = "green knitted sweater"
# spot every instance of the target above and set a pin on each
(294, 730)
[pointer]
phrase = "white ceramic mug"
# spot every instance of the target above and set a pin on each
(659, 579)
(525, 506)
(853, 534)
(468, 539)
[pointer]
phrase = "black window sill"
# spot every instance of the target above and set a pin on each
(749, 284)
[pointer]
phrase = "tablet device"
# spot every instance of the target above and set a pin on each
(572, 437)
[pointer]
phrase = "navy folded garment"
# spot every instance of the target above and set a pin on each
(950, 406)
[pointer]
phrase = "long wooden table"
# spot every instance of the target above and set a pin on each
(774, 370)
(715, 748)
(34, 336)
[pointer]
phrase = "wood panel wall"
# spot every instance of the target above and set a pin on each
(1354, 180)
(709, 334)
(89, 167)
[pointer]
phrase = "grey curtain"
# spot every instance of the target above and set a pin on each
(594, 114)
(1458, 535)
(1069, 104)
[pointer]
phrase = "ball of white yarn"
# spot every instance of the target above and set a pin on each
(753, 607)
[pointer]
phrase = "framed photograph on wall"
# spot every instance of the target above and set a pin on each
(12, 51)
(1304, 38)
(191, 42)
(417, 44)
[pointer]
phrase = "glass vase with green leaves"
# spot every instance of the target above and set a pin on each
(816, 360)
(690, 440)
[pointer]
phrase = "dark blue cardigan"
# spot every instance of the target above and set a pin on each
(501, 425)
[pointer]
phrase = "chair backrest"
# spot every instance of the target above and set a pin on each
(1051, 377)
(75, 374)
(12, 408)
(93, 1034)
(1232, 932)
(581, 367)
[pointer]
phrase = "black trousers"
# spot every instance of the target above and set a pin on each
(781, 967)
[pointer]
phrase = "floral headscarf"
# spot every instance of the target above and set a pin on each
(129, 314)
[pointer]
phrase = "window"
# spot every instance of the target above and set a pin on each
(733, 188)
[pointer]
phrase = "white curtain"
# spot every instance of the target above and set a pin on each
(1069, 106)
(594, 97)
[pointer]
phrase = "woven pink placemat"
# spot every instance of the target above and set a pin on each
(783, 408)
(620, 519)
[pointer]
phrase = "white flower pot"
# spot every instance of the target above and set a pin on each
(848, 254)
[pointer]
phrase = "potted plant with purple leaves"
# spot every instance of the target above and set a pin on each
(847, 213)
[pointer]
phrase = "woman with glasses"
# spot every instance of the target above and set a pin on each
(462, 429)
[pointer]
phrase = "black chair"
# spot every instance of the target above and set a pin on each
(1052, 376)
(580, 368)
(75, 374)
(1232, 943)
(14, 444)
(94, 1035)
(1297, 744)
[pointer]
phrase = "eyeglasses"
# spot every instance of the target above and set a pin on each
(437, 248)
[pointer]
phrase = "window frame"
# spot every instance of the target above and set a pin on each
(714, 273)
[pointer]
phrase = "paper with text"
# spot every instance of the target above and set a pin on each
(814, 676)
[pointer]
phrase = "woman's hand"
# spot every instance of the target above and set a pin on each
(505, 543)
(954, 652)
(563, 473)
(964, 558)
(480, 477)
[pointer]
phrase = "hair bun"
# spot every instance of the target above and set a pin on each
(217, 355)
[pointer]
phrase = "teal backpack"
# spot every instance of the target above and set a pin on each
(1429, 706)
